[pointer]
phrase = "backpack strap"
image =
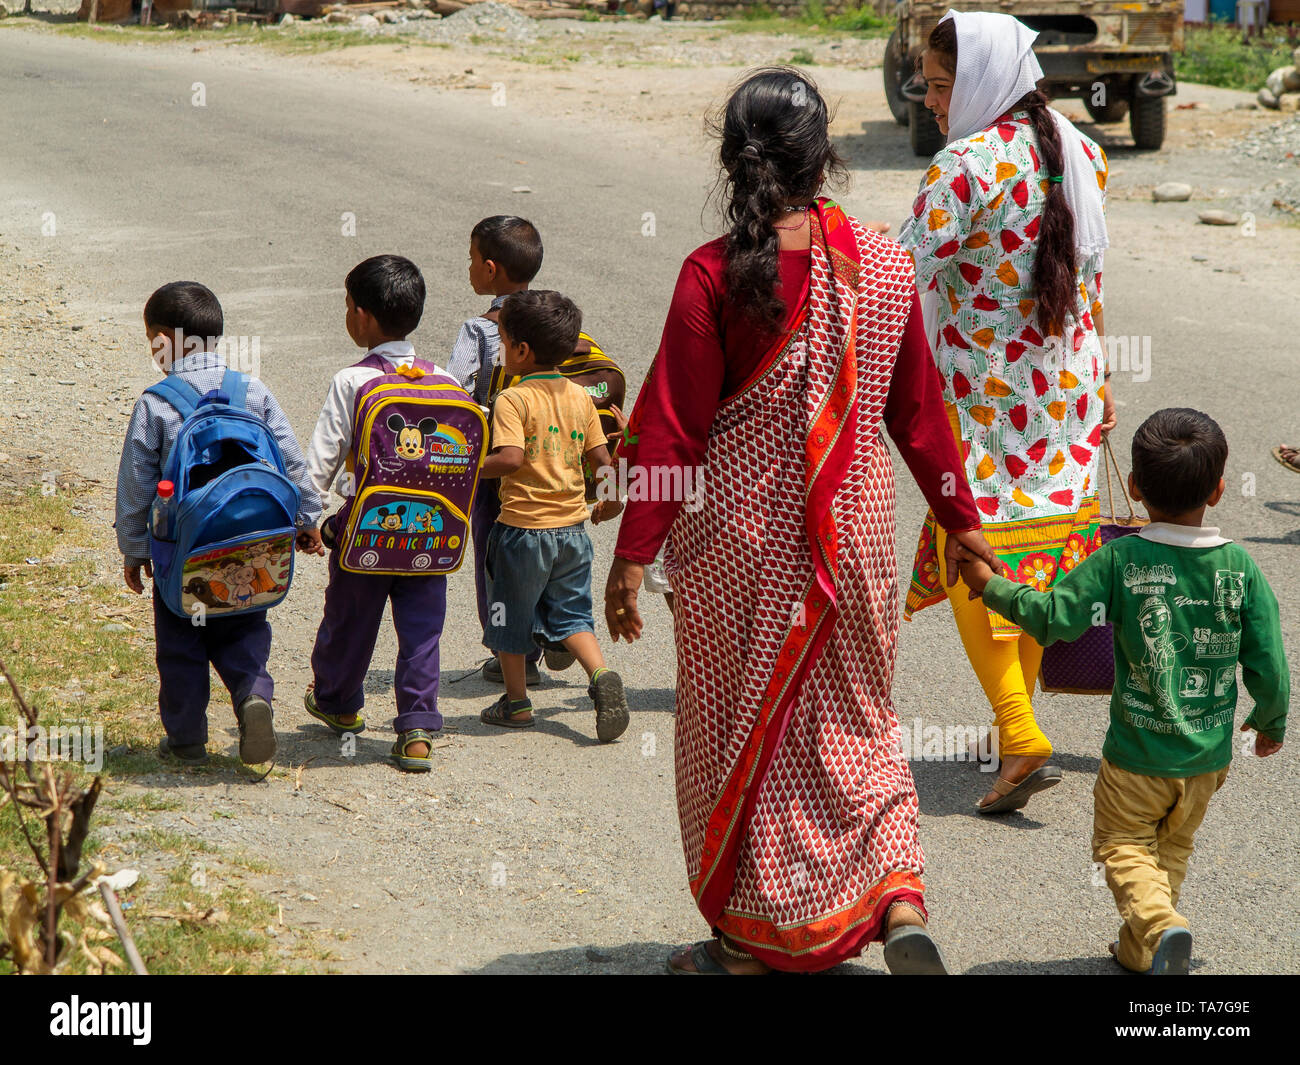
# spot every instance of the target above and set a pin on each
(182, 395)
(235, 385)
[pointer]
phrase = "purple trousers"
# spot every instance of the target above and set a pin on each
(482, 516)
(345, 642)
(236, 647)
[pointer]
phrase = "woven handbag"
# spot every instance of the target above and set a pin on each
(1087, 666)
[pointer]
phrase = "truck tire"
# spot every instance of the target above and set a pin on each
(926, 138)
(1114, 111)
(893, 73)
(1146, 121)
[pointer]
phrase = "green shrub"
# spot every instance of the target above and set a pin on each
(1218, 55)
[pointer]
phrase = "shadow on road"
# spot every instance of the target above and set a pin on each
(1090, 966)
(627, 959)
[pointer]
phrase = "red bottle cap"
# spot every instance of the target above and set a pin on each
(166, 489)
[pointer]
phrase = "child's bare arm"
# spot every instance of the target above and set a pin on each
(610, 506)
(502, 461)
(597, 457)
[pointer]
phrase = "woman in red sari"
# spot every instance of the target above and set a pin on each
(789, 344)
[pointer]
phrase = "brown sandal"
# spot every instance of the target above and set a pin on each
(1290, 463)
(1014, 796)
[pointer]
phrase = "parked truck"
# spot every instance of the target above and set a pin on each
(1117, 57)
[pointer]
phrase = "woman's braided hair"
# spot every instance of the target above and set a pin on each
(1055, 262)
(774, 150)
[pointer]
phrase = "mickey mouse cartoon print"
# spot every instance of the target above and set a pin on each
(391, 520)
(409, 442)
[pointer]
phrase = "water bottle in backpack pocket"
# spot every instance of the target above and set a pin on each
(228, 545)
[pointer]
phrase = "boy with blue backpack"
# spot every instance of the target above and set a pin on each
(402, 442)
(212, 492)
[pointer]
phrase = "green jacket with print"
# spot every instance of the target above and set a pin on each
(1187, 607)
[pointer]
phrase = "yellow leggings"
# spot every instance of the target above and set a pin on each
(1007, 669)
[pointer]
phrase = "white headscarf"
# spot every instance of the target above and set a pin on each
(996, 68)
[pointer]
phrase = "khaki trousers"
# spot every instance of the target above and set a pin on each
(1142, 833)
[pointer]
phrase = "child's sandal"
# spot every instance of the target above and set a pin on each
(413, 763)
(502, 713)
(332, 720)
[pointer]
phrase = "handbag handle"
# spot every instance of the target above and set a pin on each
(1110, 461)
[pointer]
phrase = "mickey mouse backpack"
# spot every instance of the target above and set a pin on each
(227, 547)
(417, 445)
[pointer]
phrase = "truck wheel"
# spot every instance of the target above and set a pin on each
(1114, 111)
(926, 138)
(1146, 121)
(893, 71)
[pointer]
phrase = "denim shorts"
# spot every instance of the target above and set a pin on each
(539, 586)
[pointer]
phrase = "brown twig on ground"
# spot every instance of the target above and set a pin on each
(123, 933)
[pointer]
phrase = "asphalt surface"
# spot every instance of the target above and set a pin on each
(545, 851)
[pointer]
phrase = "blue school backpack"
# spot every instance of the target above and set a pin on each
(228, 545)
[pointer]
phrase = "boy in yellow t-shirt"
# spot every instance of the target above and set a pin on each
(538, 553)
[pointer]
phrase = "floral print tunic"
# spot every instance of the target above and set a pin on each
(1028, 407)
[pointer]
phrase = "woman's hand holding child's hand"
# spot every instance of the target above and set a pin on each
(965, 549)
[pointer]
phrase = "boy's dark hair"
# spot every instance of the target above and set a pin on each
(391, 288)
(512, 243)
(188, 306)
(546, 321)
(1179, 454)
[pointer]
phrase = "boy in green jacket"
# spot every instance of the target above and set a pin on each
(1187, 607)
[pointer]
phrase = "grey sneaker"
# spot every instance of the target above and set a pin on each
(256, 733)
(606, 692)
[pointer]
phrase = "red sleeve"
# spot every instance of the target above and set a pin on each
(918, 424)
(669, 425)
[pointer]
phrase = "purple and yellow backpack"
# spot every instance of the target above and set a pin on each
(417, 447)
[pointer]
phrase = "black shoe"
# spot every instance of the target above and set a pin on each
(611, 706)
(556, 656)
(185, 753)
(492, 672)
(256, 734)
(558, 661)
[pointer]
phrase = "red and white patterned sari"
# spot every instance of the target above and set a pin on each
(798, 814)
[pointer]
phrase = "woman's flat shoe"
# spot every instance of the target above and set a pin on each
(1015, 796)
(909, 951)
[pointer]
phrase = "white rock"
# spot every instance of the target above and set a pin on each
(338, 17)
(1295, 57)
(1171, 192)
(287, 20)
(1219, 218)
(1276, 82)
(366, 22)
(119, 881)
(1291, 79)
(1267, 99)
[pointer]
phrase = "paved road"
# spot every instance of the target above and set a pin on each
(247, 193)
